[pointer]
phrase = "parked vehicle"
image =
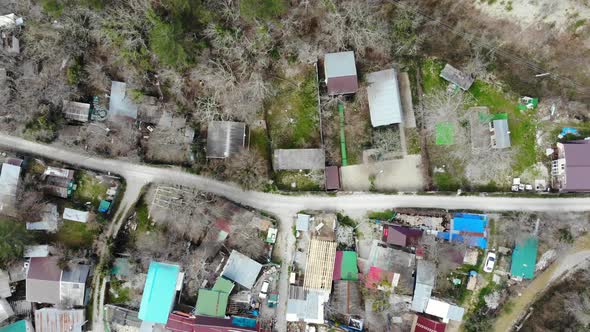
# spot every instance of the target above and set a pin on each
(490, 261)
(264, 290)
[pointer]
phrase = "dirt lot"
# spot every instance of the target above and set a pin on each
(392, 175)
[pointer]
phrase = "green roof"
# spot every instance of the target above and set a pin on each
(20, 326)
(524, 258)
(500, 116)
(445, 133)
(211, 303)
(223, 285)
(349, 268)
(159, 292)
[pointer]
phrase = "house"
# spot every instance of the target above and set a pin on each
(49, 220)
(401, 236)
(298, 159)
(159, 292)
(121, 104)
(340, 71)
(75, 215)
(332, 175)
(345, 266)
(470, 229)
(346, 297)
(76, 111)
(424, 324)
(457, 77)
(384, 98)
(444, 310)
(181, 322)
(18, 326)
(524, 258)
(571, 167)
(47, 283)
(305, 305)
(211, 303)
(319, 266)
(58, 320)
(500, 134)
(5, 310)
(225, 138)
(59, 181)
(425, 277)
(241, 269)
(9, 179)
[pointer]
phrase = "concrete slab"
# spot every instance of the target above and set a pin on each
(409, 119)
(392, 175)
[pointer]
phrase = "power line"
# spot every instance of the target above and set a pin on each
(496, 48)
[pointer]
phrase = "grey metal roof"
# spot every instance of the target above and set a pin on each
(501, 134)
(457, 77)
(225, 138)
(5, 310)
(302, 222)
(120, 103)
(41, 250)
(306, 305)
(339, 64)
(76, 111)
(49, 220)
(425, 276)
(8, 184)
(455, 313)
(78, 273)
(4, 284)
(296, 159)
(421, 296)
(384, 98)
(577, 165)
(241, 269)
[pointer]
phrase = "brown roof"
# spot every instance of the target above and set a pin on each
(342, 85)
(401, 236)
(577, 165)
(44, 268)
(43, 280)
(332, 178)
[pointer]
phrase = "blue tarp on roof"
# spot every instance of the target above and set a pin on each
(159, 292)
(473, 223)
(473, 241)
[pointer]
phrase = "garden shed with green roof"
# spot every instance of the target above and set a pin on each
(524, 259)
(19, 326)
(159, 292)
(211, 303)
(345, 266)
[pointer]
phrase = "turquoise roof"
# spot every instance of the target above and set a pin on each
(159, 292)
(20, 326)
(524, 258)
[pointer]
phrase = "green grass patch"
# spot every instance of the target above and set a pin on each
(292, 114)
(431, 79)
(251, 10)
(446, 182)
(117, 293)
(304, 181)
(53, 8)
(445, 133)
(345, 220)
(413, 141)
(89, 188)
(144, 222)
(259, 142)
(382, 215)
(77, 235)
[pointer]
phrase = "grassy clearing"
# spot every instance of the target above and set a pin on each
(382, 215)
(77, 235)
(292, 114)
(413, 141)
(144, 222)
(117, 293)
(90, 189)
(259, 142)
(305, 181)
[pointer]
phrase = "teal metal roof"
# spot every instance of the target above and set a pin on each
(20, 326)
(524, 258)
(159, 292)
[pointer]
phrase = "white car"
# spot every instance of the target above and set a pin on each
(490, 261)
(263, 290)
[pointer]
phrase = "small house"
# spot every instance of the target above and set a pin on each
(302, 223)
(211, 303)
(401, 236)
(225, 138)
(340, 71)
(500, 134)
(571, 167)
(384, 98)
(76, 111)
(241, 269)
(47, 283)
(425, 277)
(306, 305)
(59, 181)
(159, 292)
(345, 266)
(524, 258)
(298, 159)
(457, 77)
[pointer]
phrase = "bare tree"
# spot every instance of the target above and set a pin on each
(386, 141)
(248, 169)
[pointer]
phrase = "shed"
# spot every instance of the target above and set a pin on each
(297, 159)
(73, 284)
(104, 206)
(57, 320)
(302, 224)
(8, 186)
(49, 219)
(4, 284)
(332, 175)
(225, 138)
(5, 310)
(18, 326)
(159, 292)
(121, 104)
(271, 236)
(501, 134)
(524, 258)
(241, 269)
(384, 98)
(211, 303)
(345, 266)
(76, 111)
(401, 236)
(457, 77)
(75, 215)
(424, 324)
(340, 71)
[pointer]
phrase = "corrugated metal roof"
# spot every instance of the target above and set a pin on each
(56, 320)
(524, 258)
(75, 215)
(37, 251)
(49, 219)
(120, 102)
(384, 98)
(501, 134)
(457, 77)
(159, 292)
(241, 269)
(424, 324)
(223, 285)
(211, 303)
(332, 174)
(472, 223)
(302, 223)
(225, 138)
(5, 310)
(8, 184)
(76, 111)
(339, 64)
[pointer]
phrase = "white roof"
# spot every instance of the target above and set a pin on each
(75, 215)
(4, 284)
(340, 64)
(8, 21)
(37, 251)
(5, 310)
(302, 222)
(8, 183)
(444, 310)
(384, 98)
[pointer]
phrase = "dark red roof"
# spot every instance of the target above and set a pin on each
(337, 275)
(332, 178)
(401, 236)
(44, 268)
(577, 165)
(342, 85)
(424, 324)
(181, 322)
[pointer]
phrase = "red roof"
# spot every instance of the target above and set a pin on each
(424, 324)
(401, 236)
(332, 178)
(376, 275)
(181, 322)
(342, 85)
(338, 266)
